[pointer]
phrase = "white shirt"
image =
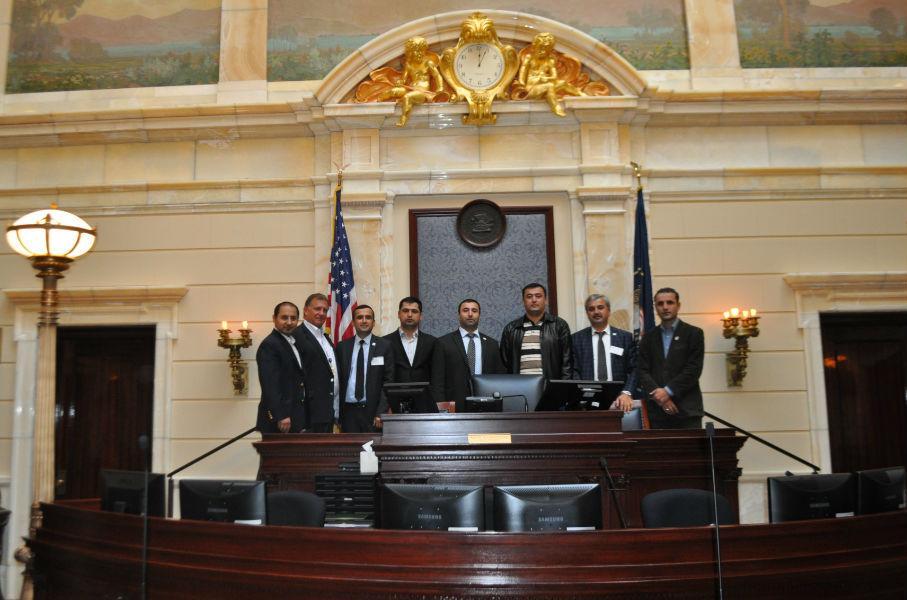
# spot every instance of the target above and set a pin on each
(332, 361)
(409, 345)
(292, 341)
(478, 342)
(595, 357)
(351, 383)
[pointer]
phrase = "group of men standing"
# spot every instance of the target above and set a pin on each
(308, 385)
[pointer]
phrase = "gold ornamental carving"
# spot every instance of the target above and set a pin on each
(479, 69)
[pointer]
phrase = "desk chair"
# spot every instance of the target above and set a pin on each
(296, 509)
(684, 508)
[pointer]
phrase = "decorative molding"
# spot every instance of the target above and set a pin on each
(74, 297)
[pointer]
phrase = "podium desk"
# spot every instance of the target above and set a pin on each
(516, 448)
(85, 553)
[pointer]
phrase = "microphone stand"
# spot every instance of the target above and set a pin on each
(710, 433)
(497, 395)
(143, 446)
(611, 489)
(195, 460)
(764, 442)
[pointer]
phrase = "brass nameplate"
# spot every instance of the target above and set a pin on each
(488, 438)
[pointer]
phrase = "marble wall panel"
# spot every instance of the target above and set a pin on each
(766, 371)
(364, 246)
(430, 152)
(778, 330)
(542, 148)
(762, 459)
(7, 383)
(238, 302)
(211, 419)
(884, 144)
(812, 146)
(608, 263)
(238, 461)
(71, 165)
(713, 294)
(760, 411)
(135, 163)
(254, 159)
(244, 41)
(8, 164)
(706, 147)
(204, 380)
(6, 453)
(197, 341)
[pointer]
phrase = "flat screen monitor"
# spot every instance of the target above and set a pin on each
(226, 501)
(122, 491)
(519, 393)
(401, 396)
(880, 490)
(426, 506)
(577, 394)
(800, 497)
(559, 507)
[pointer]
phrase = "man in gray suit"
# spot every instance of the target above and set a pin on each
(670, 363)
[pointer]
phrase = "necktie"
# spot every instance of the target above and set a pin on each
(471, 353)
(668, 334)
(602, 370)
(360, 371)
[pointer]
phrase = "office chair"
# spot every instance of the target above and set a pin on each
(684, 508)
(296, 509)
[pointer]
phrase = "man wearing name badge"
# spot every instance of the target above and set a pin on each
(322, 384)
(537, 343)
(461, 354)
(669, 366)
(282, 405)
(366, 363)
(605, 353)
(413, 351)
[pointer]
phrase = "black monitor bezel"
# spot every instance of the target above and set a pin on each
(252, 491)
(156, 491)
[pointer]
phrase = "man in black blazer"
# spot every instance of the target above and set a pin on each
(670, 363)
(322, 384)
(451, 374)
(413, 353)
(605, 353)
(282, 408)
(366, 363)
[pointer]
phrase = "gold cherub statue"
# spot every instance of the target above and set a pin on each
(539, 75)
(419, 82)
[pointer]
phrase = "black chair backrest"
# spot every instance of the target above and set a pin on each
(514, 388)
(684, 508)
(295, 508)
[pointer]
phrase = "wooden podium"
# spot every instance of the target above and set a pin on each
(516, 448)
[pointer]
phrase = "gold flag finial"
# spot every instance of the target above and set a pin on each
(637, 171)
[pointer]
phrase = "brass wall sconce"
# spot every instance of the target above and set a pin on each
(740, 326)
(239, 370)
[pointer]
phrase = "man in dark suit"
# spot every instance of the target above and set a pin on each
(282, 408)
(605, 353)
(412, 352)
(322, 384)
(461, 354)
(669, 366)
(366, 363)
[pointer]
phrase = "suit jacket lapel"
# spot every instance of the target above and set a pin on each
(457, 340)
(317, 344)
(288, 348)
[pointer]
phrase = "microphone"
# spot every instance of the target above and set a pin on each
(498, 396)
(620, 513)
(710, 433)
(143, 447)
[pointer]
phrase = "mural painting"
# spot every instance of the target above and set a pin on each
(308, 38)
(59, 45)
(822, 33)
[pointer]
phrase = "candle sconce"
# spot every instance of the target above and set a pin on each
(239, 369)
(741, 327)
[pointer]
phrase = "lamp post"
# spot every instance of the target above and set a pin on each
(50, 239)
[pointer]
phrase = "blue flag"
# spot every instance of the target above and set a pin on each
(644, 313)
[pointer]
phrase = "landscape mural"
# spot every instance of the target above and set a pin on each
(61, 45)
(308, 38)
(822, 33)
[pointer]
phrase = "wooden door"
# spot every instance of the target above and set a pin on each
(104, 402)
(865, 360)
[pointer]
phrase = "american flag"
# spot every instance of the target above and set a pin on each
(342, 289)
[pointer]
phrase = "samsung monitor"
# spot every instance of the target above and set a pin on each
(518, 393)
(226, 501)
(123, 491)
(559, 507)
(880, 490)
(401, 396)
(578, 394)
(426, 506)
(800, 497)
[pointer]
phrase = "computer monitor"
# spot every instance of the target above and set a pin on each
(799, 497)
(227, 501)
(559, 507)
(519, 393)
(427, 506)
(580, 394)
(401, 396)
(880, 490)
(122, 491)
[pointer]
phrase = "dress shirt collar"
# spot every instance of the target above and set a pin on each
(406, 338)
(316, 331)
(464, 333)
(288, 338)
(367, 339)
(607, 331)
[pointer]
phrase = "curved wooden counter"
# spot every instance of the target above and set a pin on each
(84, 553)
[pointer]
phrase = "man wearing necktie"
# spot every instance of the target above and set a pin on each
(461, 354)
(670, 363)
(605, 353)
(366, 364)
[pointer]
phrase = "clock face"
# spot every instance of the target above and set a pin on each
(479, 65)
